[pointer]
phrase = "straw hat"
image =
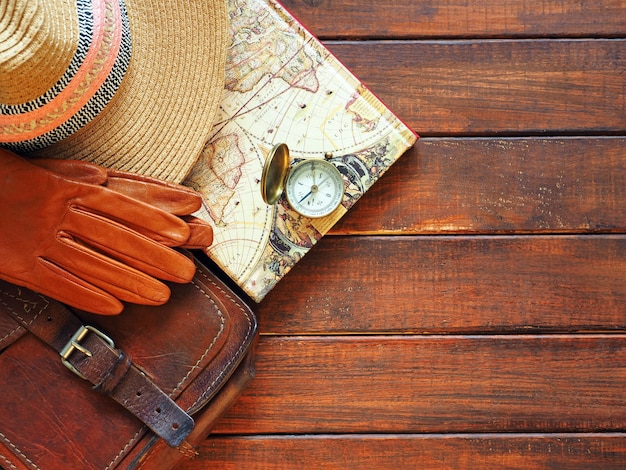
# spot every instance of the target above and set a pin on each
(127, 84)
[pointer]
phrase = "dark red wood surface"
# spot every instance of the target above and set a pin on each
(470, 310)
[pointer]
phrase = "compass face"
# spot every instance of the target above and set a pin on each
(314, 188)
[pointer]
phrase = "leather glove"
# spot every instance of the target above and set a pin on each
(89, 245)
(181, 201)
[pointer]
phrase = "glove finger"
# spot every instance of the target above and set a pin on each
(201, 233)
(128, 247)
(174, 198)
(77, 170)
(121, 281)
(65, 287)
(136, 215)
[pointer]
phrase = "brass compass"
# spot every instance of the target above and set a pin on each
(313, 187)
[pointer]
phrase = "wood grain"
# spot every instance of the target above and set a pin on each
(452, 285)
(500, 87)
(470, 310)
(398, 19)
(574, 451)
(477, 185)
(434, 384)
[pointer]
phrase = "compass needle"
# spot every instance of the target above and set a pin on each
(305, 196)
(326, 191)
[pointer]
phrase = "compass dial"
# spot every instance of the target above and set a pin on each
(314, 188)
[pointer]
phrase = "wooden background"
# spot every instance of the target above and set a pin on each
(470, 311)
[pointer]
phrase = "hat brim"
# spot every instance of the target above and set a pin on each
(160, 118)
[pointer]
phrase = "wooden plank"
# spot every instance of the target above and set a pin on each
(460, 18)
(494, 87)
(441, 452)
(474, 185)
(372, 396)
(434, 384)
(452, 285)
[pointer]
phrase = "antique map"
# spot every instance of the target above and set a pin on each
(284, 86)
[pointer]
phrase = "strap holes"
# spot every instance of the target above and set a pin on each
(138, 394)
(158, 410)
(175, 426)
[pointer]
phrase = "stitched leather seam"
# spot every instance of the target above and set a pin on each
(243, 345)
(147, 457)
(195, 366)
(6, 461)
(241, 348)
(186, 449)
(10, 333)
(45, 306)
(26, 302)
(19, 452)
(17, 328)
(181, 382)
(208, 349)
(121, 453)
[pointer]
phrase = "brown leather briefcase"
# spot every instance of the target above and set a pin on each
(138, 390)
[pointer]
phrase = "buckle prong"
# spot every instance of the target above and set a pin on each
(74, 344)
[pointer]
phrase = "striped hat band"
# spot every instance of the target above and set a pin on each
(127, 84)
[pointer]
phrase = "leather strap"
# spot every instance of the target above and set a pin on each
(93, 356)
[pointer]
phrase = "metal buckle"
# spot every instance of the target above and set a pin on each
(74, 343)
